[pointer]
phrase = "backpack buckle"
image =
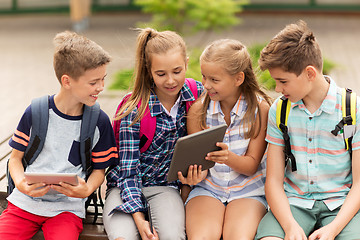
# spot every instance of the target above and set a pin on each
(290, 158)
(340, 125)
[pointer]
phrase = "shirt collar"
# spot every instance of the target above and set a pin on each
(239, 107)
(155, 105)
(329, 103)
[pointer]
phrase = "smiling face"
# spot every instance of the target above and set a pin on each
(291, 86)
(168, 72)
(87, 87)
(220, 85)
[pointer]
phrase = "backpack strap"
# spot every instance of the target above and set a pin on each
(282, 114)
(116, 123)
(40, 120)
(147, 129)
(349, 110)
(193, 88)
(348, 122)
(88, 125)
(148, 123)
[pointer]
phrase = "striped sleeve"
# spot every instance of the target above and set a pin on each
(21, 137)
(104, 153)
(356, 138)
(274, 134)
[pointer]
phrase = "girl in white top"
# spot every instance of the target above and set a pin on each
(229, 201)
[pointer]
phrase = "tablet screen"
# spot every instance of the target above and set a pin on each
(51, 178)
(192, 149)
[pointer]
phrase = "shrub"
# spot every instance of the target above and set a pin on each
(191, 16)
(122, 79)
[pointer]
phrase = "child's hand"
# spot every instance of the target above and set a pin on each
(32, 190)
(324, 233)
(194, 175)
(221, 156)
(295, 233)
(79, 191)
(145, 233)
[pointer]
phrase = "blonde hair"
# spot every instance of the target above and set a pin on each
(233, 56)
(292, 49)
(75, 54)
(149, 41)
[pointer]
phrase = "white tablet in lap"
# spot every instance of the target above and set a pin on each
(192, 149)
(51, 178)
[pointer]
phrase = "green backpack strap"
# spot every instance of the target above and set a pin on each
(282, 114)
(348, 122)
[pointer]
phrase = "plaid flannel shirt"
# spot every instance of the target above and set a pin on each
(137, 170)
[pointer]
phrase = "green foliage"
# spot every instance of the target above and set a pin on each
(328, 66)
(122, 79)
(193, 70)
(184, 17)
(263, 77)
(191, 16)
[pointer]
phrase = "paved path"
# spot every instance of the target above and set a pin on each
(26, 51)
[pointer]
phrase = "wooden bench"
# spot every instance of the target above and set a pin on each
(91, 231)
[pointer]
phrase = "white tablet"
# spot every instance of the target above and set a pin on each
(192, 149)
(51, 178)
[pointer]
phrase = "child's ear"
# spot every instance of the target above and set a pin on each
(240, 77)
(65, 81)
(311, 72)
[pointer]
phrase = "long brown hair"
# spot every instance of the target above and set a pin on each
(149, 41)
(233, 56)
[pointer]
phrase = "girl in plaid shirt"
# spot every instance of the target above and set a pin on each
(140, 177)
(229, 201)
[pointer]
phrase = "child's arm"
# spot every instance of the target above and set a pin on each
(144, 227)
(17, 174)
(83, 189)
(275, 194)
(248, 163)
(350, 207)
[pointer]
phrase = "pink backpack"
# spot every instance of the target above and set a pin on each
(148, 123)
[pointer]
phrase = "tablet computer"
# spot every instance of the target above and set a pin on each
(192, 149)
(51, 178)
